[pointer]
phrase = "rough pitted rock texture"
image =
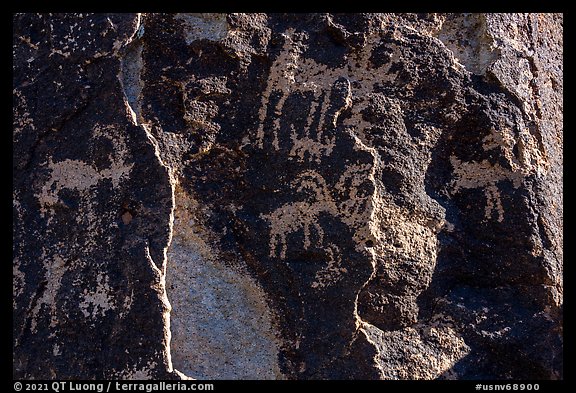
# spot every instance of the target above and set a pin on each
(276, 196)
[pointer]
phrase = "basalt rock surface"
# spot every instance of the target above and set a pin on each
(277, 196)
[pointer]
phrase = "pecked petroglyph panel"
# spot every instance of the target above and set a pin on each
(333, 90)
(311, 114)
(375, 196)
(318, 124)
(301, 117)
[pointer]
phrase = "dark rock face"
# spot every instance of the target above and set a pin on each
(312, 196)
(92, 205)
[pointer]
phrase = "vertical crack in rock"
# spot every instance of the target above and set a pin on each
(130, 79)
(361, 325)
(131, 65)
(221, 325)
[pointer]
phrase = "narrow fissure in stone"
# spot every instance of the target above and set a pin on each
(131, 68)
(221, 326)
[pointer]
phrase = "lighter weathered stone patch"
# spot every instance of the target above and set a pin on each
(207, 26)
(414, 353)
(530, 158)
(221, 326)
(467, 37)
